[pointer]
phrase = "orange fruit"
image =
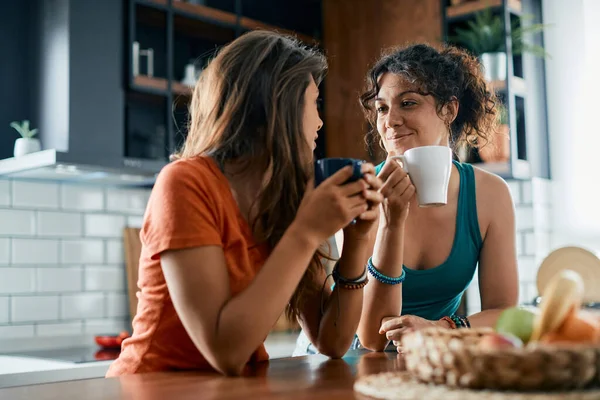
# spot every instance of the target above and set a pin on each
(578, 327)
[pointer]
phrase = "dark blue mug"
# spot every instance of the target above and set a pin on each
(326, 167)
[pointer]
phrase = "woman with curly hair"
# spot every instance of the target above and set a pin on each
(425, 258)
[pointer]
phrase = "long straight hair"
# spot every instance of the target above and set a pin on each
(248, 107)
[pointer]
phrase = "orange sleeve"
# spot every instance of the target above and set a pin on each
(183, 209)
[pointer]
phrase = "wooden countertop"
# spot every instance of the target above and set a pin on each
(310, 377)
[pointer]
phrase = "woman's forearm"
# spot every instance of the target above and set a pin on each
(246, 319)
(485, 318)
(382, 300)
(343, 306)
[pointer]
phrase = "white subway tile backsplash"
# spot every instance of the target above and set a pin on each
(115, 252)
(4, 310)
(135, 222)
(59, 329)
(63, 279)
(4, 192)
(59, 224)
(34, 251)
(80, 197)
(519, 243)
(117, 305)
(16, 331)
(542, 217)
(542, 191)
(84, 305)
(34, 308)
(106, 326)
(543, 246)
(527, 268)
(82, 252)
(103, 225)
(526, 192)
(35, 194)
(100, 278)
(4, 251)
(17, 222)
(61, 257)
(515, 190)
(527, 292)
(17, 280)
(127, 200)
(524, 217)
(530, 244)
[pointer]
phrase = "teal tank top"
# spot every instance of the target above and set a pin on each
(437, 292)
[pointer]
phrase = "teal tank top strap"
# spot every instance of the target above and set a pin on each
(467, 201)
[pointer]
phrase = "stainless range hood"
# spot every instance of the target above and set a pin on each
(69, 167)
(78, 100)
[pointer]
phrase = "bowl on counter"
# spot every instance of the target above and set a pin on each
(111, 342)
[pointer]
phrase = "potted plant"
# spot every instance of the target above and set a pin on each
(497, 150)
(484, 36)
(26, 143)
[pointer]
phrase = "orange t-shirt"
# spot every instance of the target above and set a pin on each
(191, 205)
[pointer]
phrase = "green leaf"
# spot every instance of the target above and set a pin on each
(33, 132)
(18, 128)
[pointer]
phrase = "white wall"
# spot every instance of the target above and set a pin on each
(61, 258)
(573, 86)
(533, 210)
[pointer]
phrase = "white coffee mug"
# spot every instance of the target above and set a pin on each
(429, 168)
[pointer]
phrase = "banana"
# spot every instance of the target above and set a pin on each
(564, 291)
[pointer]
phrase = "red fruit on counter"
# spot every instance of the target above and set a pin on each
(496, 341)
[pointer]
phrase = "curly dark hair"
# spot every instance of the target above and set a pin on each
(446, 73)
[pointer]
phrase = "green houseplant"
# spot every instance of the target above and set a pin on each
(484, 36)
(498, 148)
(26, 143)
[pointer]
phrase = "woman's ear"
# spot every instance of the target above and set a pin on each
(450, 110)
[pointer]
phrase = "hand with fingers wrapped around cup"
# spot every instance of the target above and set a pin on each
(397, 190)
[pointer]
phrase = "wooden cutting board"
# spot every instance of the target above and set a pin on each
(133, 249)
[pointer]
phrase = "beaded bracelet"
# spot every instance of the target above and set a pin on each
(388, 280)
(460, 322)
(351, 286)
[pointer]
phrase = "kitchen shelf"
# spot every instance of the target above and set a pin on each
(470, 7)
(182, 33)
(518, 86)
(150, 84)
(204, 13)
(159, 86)
(229, 20)
(251, 24)
(160, 4)
(181, 89)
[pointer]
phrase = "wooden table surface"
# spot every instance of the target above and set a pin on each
(310, 377)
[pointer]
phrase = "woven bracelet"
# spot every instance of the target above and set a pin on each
(339, 279)
(388, 280)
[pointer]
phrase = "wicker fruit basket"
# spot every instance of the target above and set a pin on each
(453, 358)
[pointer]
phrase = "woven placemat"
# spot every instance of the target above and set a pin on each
(400, 386)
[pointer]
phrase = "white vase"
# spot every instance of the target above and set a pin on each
(26, 145)
(494, 66)
(189, 78)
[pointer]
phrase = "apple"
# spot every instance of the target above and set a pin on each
(498, 341)
(517, 322)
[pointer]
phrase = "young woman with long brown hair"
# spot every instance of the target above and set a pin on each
(233, 230)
